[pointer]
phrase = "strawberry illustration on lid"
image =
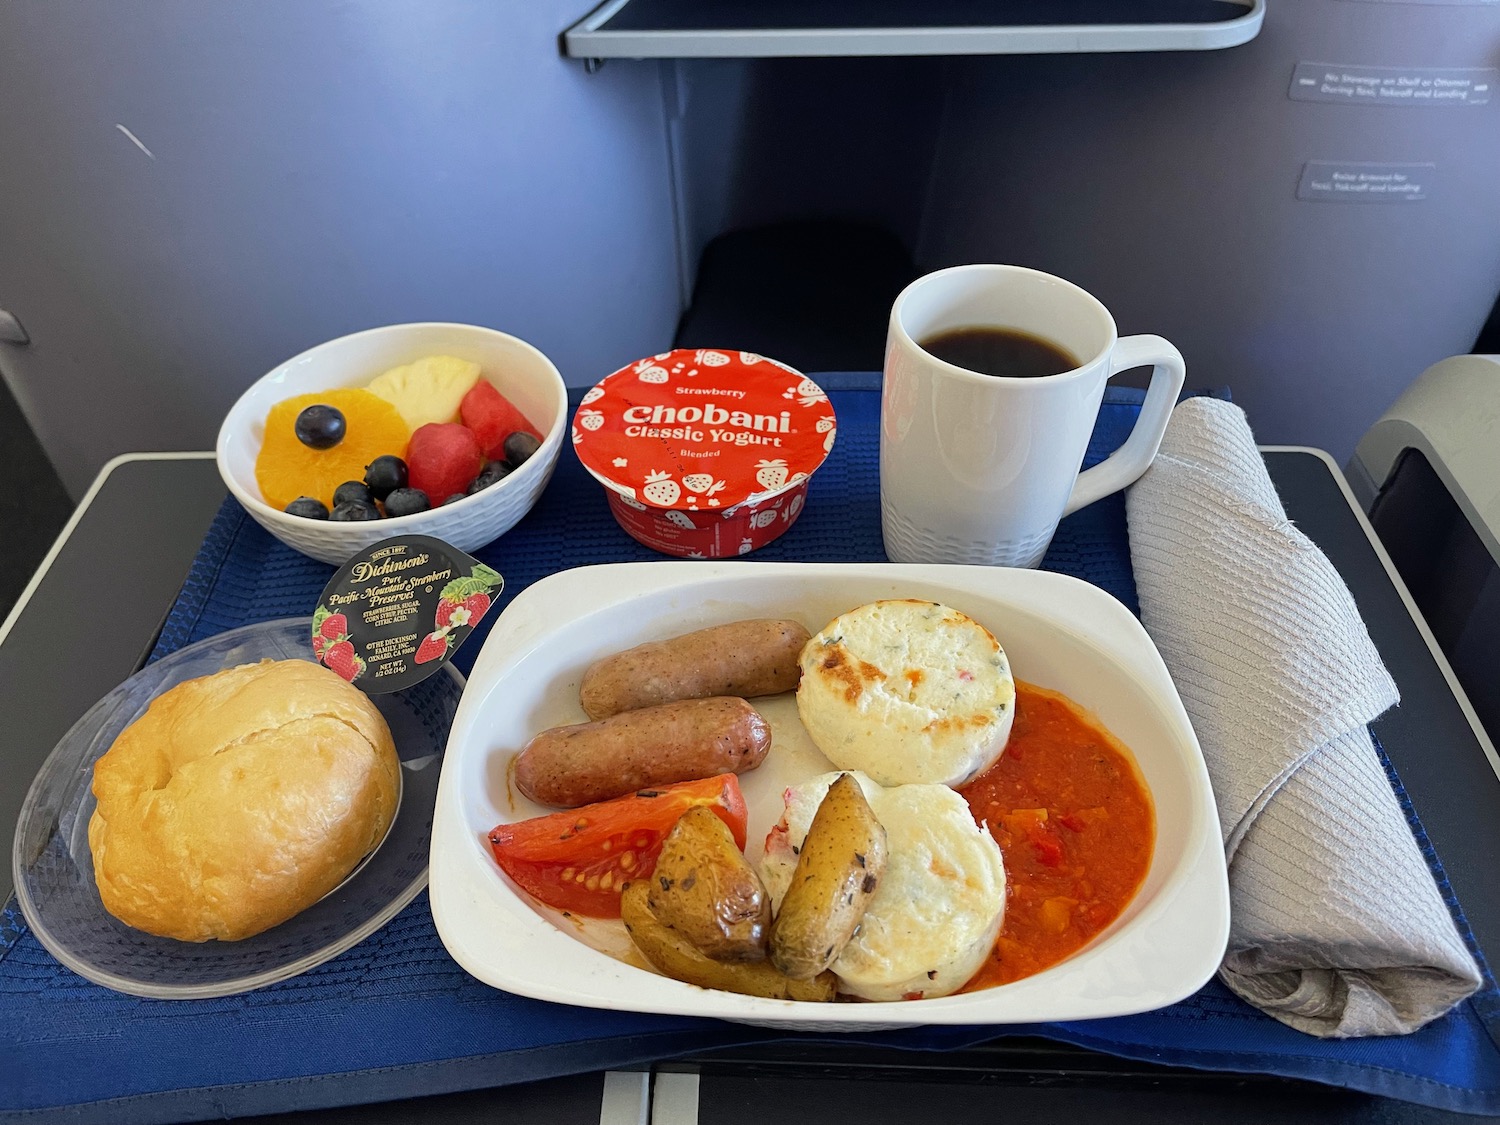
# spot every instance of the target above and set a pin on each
(660, 489)
(696, 446)
(770, 474)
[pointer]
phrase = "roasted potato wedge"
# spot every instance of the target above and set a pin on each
(677, 957)
(706, 890)
(838, 868)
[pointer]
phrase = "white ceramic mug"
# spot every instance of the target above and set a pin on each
(978, 468)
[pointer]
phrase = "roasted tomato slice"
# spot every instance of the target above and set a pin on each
(580, 859)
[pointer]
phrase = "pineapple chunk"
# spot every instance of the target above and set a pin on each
(428, 390)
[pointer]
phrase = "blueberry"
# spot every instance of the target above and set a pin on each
(352, 492)
(455, 497)
(519, 446)
(492, 473)
(406, 502)
(384, 475)
(320, 427)
(354, 510)
(307, 508)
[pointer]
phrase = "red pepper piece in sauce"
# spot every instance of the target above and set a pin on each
(1049, 852)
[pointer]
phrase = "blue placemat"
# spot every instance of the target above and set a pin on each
(396, 1017)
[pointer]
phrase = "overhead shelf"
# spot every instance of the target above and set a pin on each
(680, 29)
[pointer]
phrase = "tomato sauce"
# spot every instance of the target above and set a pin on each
(1076, 827)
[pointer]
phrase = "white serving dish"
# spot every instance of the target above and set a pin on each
(1059, 633)
(521, 373)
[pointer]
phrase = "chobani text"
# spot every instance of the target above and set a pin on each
(709, 415)
(724, 427)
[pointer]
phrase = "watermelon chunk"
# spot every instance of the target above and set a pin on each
(443, 458)
(493, 418)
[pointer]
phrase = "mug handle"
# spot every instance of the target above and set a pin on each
(1125, 465)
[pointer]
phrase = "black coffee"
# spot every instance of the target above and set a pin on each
(1006, 352)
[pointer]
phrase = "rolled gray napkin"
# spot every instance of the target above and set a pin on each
(1336, 925)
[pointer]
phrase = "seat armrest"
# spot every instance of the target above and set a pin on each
(1451, 413)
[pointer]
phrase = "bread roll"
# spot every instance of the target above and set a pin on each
(239, 799)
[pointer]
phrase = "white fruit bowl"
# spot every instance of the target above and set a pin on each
(518, 371)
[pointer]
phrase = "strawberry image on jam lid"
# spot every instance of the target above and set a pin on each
(705, 452)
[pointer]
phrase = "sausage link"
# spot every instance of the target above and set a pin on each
(682, 741)
(744, 658)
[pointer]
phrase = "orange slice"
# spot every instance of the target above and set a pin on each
(286, 469)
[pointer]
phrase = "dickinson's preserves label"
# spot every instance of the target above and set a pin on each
(397, 611)
(705, 453)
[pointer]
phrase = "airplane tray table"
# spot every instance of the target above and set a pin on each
(396, 1017)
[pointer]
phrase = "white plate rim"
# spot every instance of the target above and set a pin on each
(466, 907)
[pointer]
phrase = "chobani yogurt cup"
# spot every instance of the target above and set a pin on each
(704, 453)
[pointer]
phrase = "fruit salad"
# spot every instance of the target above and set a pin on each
(416, 437)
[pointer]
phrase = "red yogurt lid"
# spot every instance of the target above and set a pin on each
(703, 429)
